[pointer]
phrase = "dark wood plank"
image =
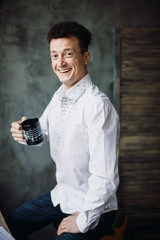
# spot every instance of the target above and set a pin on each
(138, 100)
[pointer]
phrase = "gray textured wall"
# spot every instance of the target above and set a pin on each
(27, 82)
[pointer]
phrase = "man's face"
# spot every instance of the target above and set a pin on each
(68, 63)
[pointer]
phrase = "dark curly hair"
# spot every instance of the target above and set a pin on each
(70, 29)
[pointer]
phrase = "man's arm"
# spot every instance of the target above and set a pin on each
(103, 132)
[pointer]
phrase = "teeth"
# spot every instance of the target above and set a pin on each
(64, 70)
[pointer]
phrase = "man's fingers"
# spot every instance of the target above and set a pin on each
(75, 213)
(19, 139)
(61, 232)
(69, 225)
(62, 229)
(23, 119)
(17, 135)
(16, 125)
(17, 131)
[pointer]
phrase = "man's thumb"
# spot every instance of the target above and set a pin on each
(75, 213)
(23, 119)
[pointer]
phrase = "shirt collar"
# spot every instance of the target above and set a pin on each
(75, 92)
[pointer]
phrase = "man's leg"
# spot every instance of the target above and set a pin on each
(34, 215)
(71, 236)
(99, 231)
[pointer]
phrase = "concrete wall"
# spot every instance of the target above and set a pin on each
(27, 81)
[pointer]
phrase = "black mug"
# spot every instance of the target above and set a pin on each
(32, 131)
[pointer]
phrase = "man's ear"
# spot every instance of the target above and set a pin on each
(87, 57)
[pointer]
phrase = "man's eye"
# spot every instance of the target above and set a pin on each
(54, 56)
(68, 54)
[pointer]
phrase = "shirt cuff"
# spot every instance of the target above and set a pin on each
(81, 221)
(23, 143)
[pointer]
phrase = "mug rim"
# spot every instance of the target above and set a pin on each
(29, 122)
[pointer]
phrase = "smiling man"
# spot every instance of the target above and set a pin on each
(82, 127)
(68, 62)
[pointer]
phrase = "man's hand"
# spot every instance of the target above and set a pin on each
(69, 224)
(16, 130)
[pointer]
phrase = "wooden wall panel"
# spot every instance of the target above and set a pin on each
(138, 104)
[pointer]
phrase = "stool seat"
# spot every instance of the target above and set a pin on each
(117, 232)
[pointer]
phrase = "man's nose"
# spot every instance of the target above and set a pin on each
(61, 61)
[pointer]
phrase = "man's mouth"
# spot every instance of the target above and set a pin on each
(65, 70)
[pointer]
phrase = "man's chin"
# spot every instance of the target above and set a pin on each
(65, 78)
(65, 81)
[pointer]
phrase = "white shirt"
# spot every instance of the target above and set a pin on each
(82, 127)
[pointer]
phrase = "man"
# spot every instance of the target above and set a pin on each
(82, 127)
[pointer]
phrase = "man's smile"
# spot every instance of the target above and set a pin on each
(64, 70)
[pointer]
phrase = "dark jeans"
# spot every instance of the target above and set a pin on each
(40, 212)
